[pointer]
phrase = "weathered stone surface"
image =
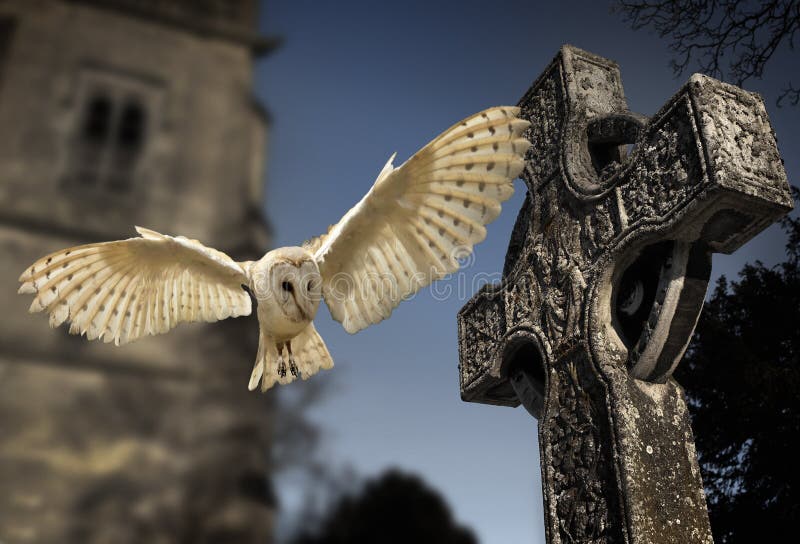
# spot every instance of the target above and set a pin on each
(603, 282)
(157, 441)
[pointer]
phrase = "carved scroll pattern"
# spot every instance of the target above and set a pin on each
(523, 300)
(582, 496)
(481, 331)
(598, 228)
(545, 108)
(669, 172)
(558, 263)
(743, 152)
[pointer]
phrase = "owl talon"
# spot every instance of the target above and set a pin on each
(292, 365)
(281, 368)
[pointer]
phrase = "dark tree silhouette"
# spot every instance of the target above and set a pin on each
(395, 508)
(727, 38)
(741, 374)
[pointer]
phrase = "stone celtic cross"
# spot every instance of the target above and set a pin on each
(603, 283)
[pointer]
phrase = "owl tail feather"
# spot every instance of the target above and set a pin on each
(282, 362)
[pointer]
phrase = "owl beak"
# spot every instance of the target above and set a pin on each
(301, 307)
(306, 307)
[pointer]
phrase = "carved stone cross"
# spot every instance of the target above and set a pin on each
(603, 283)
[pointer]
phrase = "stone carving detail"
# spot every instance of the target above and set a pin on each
(606, 268)
(745, 153)
(545, 104)
(668, 171)
(519, 236)
(484, 329)
(599, 228)
(597, 85)
(522, 296)
(578, 460)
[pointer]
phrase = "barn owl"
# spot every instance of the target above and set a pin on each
(410, 229)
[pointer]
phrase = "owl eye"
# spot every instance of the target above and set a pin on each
(286, 286)
(310, 285)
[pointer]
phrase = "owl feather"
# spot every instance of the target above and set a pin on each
(411, 228)
(419, 219)
(121, 291)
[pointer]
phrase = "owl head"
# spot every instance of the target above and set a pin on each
(290, 278)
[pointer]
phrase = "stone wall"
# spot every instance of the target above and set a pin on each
(157, 441)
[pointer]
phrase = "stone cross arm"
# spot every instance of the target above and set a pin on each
(603, 283)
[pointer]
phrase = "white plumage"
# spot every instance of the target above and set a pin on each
(410, 229)
(124, 290)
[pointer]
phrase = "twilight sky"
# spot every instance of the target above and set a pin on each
(356, 81)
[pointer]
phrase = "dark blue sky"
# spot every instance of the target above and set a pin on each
(356, 81)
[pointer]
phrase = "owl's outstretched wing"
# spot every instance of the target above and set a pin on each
(127, 289)
(418, 220)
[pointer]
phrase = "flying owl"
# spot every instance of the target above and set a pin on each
(410, 229)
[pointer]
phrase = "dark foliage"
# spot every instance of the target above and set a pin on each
(395, 508)
(745, 34)
(742, 377)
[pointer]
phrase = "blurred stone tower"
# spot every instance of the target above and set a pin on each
(116, 113)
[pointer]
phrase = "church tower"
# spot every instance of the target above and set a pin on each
(115, 113)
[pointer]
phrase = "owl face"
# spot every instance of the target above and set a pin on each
(290, 279)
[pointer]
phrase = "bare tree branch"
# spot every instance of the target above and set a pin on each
(790, 94)
(727, 38)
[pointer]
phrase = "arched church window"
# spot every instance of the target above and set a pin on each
(109, 143)
(128, 143)
(97, 119)
(131, 126)
(93, 140)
